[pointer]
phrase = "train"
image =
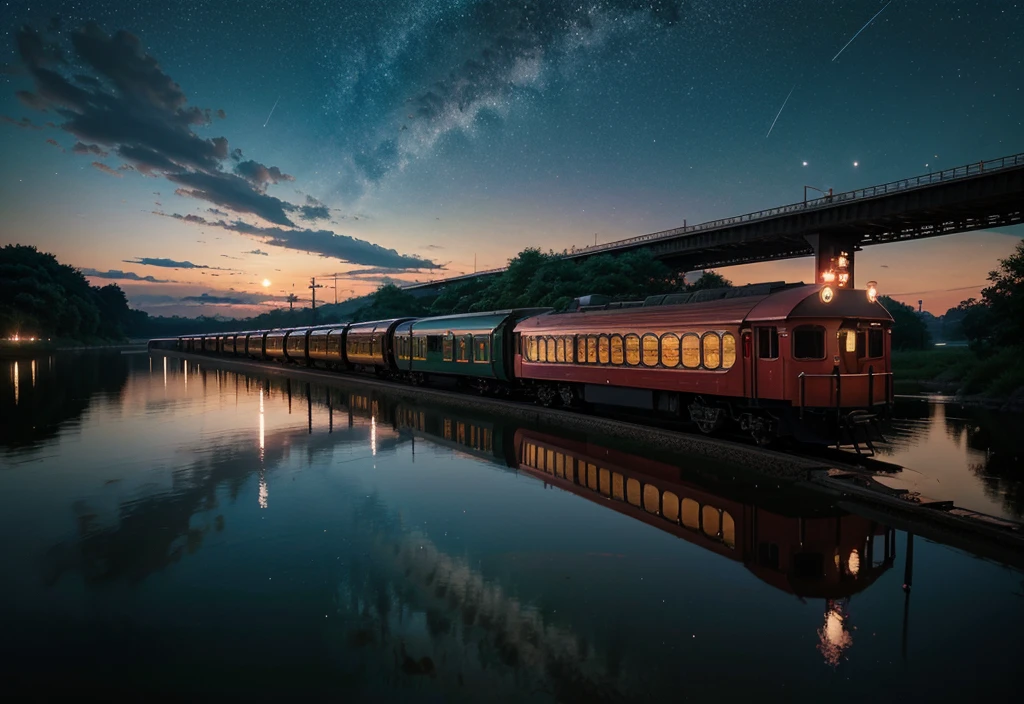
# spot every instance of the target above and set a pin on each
(773, 360)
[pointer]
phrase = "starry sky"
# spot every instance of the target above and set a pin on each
(194, 151)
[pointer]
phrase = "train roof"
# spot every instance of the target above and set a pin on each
(731, 306)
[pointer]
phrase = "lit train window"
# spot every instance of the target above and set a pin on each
(670, 506)
(618, 353)
(632, 349)
(449, 345)
(691, 514)
(617, 486)
(691, 351)
(581, 349)
(560, 465)
(481, 348)
(531, 348)
(633, 491)
(728, 350)
(650, 350)
(542, 349)
(570, 469)
(669, 350)
(460, 430)
(551, 349)
(602, 349)
(591, 349)
(728, 530)
(652, 499)
(712, 521)
(549, 460)
(568, 349)
(592, 476)
(605, 481)
(560, 349)
(712, 346)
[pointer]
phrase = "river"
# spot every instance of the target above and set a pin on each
(175, 528)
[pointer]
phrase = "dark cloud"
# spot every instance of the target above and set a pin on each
(433, 246)
(81, 148)
(219, 300)
(322, 242)
(221, 115)
(169, 263)
(234, 193)
(122, 276)
(214, 211)
(118, 99)
(261, 176)
(54, 143)
(258, 251)
(105, 169)
(228, 256)
(23, 123)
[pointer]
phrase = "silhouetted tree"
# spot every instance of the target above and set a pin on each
(909, 331)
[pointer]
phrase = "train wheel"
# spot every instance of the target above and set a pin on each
(707, 418)
(546, 395)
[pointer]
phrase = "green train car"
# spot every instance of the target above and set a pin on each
(477, 348)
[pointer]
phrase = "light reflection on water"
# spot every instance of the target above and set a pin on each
(418, 553)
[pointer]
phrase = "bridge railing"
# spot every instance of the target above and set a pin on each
(904, 184)
(953, 174)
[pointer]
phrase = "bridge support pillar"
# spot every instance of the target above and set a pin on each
(827, 249)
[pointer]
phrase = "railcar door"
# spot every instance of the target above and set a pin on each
(768, 363)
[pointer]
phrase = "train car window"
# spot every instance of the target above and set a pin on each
(592, 476)
(560, 349)
(633, 491)
(570, 469)
(669, 350)
(632, 343)
(581, 349)
(876, 346)
(434, 343)
(670, 506)
(809, 342)
(728, 350)
(618, 484)
(711, 346)
(542, 350)
(481, 348)
(602, 349)
(604, 478)
(767, 343)
(531, 348)
(847, 340)
(449, 348)
(465, 347)
(618, 353)
(691, 514)
(652, 499)
(691, 351)
(728, 530)
(569, 347)
(552, 354)
(560, 465)
(712, 521)
(591, 349)
(649, 345)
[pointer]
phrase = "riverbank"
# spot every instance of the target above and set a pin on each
(32, 349)
(993, 382)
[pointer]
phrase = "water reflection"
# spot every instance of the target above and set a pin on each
(972, 455)
(416, 552)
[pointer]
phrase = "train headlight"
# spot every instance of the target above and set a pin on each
(827, 294)
(872, 291)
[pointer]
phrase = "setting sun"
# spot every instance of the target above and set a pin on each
(266, 283)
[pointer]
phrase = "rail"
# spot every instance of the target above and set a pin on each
(904, 184)
(838, 387)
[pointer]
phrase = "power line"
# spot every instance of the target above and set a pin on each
(938, 290)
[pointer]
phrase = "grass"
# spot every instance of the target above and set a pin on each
(999, 375)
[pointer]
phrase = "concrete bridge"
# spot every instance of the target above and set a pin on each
(976, 196)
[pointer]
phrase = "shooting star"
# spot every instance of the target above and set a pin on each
(780, 111)
(861, 30)
(275, 108)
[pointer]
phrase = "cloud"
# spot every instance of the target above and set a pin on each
(221, 300)
(106, 169)
(433, 246)
(261, 176)
(54, 143)
(322, 242)
(214, 211)
(169, 263)
(24, 123)
(257, 251)
(115, 98)
(81, 148)
(122, 276)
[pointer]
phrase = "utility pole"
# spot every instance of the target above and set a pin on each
(313, 287)
(474, 262)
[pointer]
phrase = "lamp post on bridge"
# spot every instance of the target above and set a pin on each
(815, 189)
